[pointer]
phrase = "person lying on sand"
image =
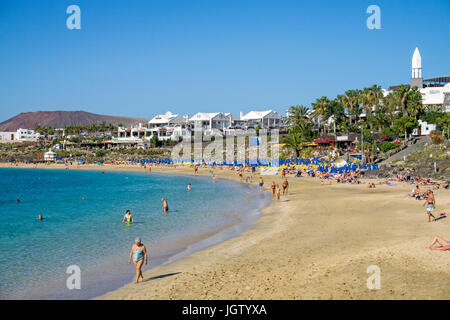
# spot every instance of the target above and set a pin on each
(444, 244)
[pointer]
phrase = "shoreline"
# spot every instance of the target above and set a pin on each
(316, 243)
(185, 245)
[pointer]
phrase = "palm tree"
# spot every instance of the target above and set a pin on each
(335, 110)
(414, 102)
(402, 94)
(392, 104)
(298, 135)
(351, 102)
(298, 114)
(320, 107)
(365, 98)
(380, 117)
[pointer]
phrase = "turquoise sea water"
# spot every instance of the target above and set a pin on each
(34, 255)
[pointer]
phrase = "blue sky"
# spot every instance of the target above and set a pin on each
(142, 57)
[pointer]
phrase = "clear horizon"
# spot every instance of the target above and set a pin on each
(142, 58)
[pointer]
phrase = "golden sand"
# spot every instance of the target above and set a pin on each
(315, 243)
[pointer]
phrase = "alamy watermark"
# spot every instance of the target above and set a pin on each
(74, 280)
(74, 20)
(374, 20)
(246, 147)
(374, 281)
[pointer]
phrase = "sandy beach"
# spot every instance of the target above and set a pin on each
(315, 243)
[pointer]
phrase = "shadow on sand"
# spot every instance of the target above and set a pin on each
(161, 276)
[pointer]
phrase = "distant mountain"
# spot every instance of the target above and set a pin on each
(60, 119)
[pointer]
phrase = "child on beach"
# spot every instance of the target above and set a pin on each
(273, 186)
(261, 184)
(278, 192)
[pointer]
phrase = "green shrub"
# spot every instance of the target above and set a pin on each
(386, 146)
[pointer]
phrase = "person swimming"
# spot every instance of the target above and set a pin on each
(189, 187)
(138, 255)
(128, 218)
(40, 217)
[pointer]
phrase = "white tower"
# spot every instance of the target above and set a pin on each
(416, 70)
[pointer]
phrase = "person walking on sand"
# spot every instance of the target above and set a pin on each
(138, 254)
(165, 206)
(273, 186)
(285, 186)
(278, 192)
(128, 218)
(261, 184)
(431, 204)
(444, 244)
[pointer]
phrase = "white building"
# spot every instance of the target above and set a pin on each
(167, 120)
(20, 135)
(165, 127)
(49, 155)
(435, 91)
(432, 96)
(211, 122)
(266, 119)
(7, 136)
(424, 129)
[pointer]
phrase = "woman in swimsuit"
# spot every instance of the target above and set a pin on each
(430, 205)
(128, 218)
(445, 245)
(138, 254)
